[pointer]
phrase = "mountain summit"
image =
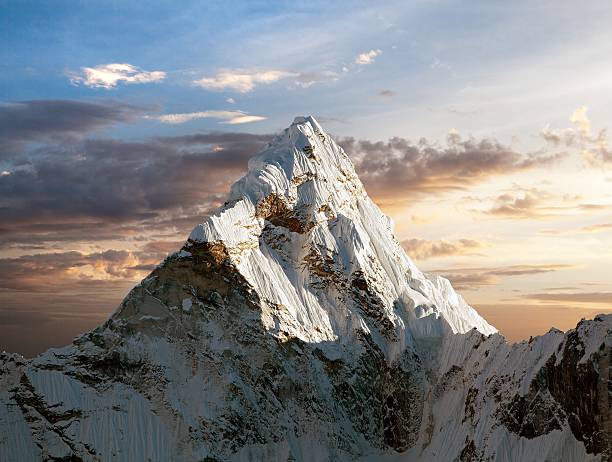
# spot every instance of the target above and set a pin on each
(300, 228)
(292, 326)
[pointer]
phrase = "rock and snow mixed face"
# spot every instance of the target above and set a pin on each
(292, 326)
(303, 232)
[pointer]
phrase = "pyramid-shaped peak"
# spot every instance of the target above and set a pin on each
(302, 133)
(310, 120)
(302, 231)
(302, 151)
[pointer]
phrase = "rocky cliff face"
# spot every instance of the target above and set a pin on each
(291, 326)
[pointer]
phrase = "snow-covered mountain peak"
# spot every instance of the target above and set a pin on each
(301, 230)
(302, 153)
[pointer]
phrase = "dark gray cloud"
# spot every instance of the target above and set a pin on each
(400, 168)
(423, 249)
(103, 186)
(56, 120)
(386, 94)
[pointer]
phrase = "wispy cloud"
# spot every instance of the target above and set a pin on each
(109, 75)
(368, 57)
(242, 81)
(471, 278)
(308, 79)
(577, 297)
(228, 117)
(422, 249)
(596, 228)
(386, 94)
(533, 203)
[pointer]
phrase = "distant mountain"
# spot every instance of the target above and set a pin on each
(291, 326)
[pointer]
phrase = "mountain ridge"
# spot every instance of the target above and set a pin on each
(292, 326)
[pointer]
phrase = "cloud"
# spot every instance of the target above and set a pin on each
(596, 228)
(438, 64)
(108, 189)
(57, 120)
(576, 297)
(109, 75)
(63, 270)
(242, 81)
(421, 249)
(367, 57)
(386, 94)
(307, 80)
(523, 204)
(534, 203)
(471, 278)
(594, 148)
(229, 117)
(52, 312)
(50, 270)
(399, 168)
(581, 120)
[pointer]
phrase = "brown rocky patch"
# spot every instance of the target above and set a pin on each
(274, 209)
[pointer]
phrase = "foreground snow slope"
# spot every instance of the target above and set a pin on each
(292, 326)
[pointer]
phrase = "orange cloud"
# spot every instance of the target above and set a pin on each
(422, 249)
(578, 297)
(471, 278)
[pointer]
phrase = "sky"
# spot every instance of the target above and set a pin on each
(479, 127)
